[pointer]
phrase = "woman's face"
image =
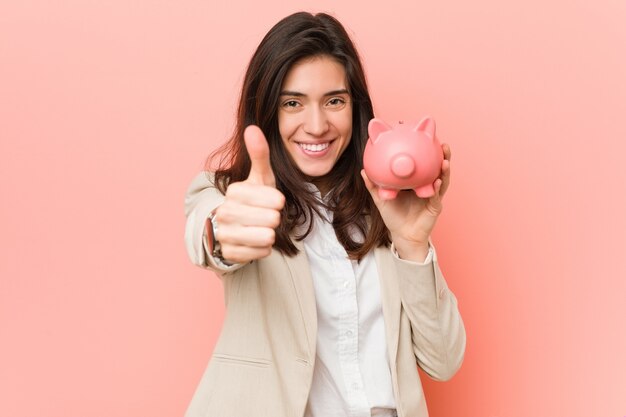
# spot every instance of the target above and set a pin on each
(315, 114)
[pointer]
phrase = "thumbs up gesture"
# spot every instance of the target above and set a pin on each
(251, 209)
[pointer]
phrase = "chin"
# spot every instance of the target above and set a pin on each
(314, 172)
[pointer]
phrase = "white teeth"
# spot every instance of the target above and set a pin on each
(314, 147)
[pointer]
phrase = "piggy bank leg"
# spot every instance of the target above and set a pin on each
(425, 191)
(387, 193)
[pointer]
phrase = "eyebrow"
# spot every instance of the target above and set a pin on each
(298, 94)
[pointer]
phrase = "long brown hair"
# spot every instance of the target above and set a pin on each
(296, 37)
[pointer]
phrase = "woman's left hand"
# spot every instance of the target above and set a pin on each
(409, 218)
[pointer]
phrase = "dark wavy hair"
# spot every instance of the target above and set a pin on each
(300, 36)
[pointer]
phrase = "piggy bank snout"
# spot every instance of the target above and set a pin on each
(402, 165)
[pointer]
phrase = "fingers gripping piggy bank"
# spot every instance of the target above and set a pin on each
(403, 157)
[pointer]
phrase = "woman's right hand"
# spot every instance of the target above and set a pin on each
(251, 209)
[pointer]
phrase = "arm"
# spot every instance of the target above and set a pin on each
(437, 329)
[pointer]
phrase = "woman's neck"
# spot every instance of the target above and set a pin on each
(322, 184)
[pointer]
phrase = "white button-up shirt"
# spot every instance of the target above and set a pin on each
(352, 375)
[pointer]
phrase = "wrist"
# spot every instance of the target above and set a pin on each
(411, 250)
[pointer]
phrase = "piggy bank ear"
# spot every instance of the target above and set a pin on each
(427, 125)
(376, 127)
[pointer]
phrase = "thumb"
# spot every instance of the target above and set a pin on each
(260, 170)
(371, 187)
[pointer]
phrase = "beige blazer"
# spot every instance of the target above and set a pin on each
(263, 362)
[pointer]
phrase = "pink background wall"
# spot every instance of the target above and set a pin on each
(108, 108)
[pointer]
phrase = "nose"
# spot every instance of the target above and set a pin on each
(316, 122)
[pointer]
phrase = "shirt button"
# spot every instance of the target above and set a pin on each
(355, 386)
(349, 333)
(346, 284)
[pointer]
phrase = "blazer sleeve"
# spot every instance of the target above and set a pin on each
(438, 333)
(201, 198)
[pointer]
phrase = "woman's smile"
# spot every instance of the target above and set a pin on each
(315, 150)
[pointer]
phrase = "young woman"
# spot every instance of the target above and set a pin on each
(333, 296)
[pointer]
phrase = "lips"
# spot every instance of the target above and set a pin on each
(314, 147)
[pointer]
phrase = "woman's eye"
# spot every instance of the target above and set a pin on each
(336, 101)
(290, 103)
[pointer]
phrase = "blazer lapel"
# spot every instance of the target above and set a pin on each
(390, 296)
(300, 272)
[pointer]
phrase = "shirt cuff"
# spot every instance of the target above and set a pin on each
(428, 260)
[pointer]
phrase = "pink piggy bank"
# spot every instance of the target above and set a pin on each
(404, 157)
